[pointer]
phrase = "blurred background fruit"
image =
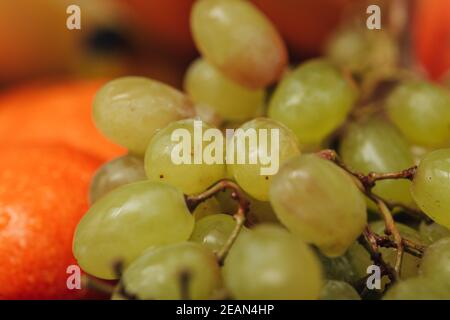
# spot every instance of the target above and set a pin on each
(431, 35)
(43, 194)
(54, 113)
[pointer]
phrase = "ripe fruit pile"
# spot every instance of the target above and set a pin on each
(166, 230)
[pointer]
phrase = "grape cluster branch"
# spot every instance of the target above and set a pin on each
(240, 215)
(366, 183)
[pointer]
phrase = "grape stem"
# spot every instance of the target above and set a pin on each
(240, 215)
(91, 283)
(369, 241)
(366, 183)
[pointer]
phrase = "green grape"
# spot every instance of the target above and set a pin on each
(269, 156)
(431, 186)
(419, 288)
(115, 173)
(361, 50)
(213, 231)
(191, 176)
(128, 220)
(338, 290)
(432, 232)
(208, 115)
(206, 85)
(376, 146)
(268, 263)
(320, 202)
(206, 208)
(157, 273)
(436, 260)
(130, 110)
(339, 268)
(421, 111)
(313, 100)
(239, 40)
(259, 211)
(360, 258)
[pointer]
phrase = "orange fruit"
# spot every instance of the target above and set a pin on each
(165, 23)
(43, 195)
(304, 24)
(431, 36)
(53, 114)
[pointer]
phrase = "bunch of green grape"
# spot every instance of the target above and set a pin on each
(176, 228)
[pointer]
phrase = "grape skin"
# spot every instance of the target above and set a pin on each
(207, 86)
(258, 211)
(249, 176)
(338, 290)
(128, 220)
(419, 288)
(130, 110)
(206, 208)
(432, 232)
(115, 173)
(421, 111)
(313, 100)
(431, 186)
(320, 202)
(436, 260)
(269, 263)
(361, 50)
(190, 178)
(239, 40)
(375, 146)
(213, 231)
(156, 273)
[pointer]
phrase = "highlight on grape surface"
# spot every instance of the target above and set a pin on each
(225, 150)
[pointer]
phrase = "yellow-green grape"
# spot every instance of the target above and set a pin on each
(239, 40)
(232, 101)
(419, 288)
(178, 155)
(432, 232)
(130, 110)
(339, 268)
(263, 145)
(360, 258)
(208, 115)
(213, 231)
(313, 100)
(338, 290)
(361, 50)
(421, 110)
(376, 146)
(320, 202)
(158, 273)
(115, 173)
(259, 211)
(431, 186)
(128, 220)
(206, 208)
(436, 261)
(268, 263)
